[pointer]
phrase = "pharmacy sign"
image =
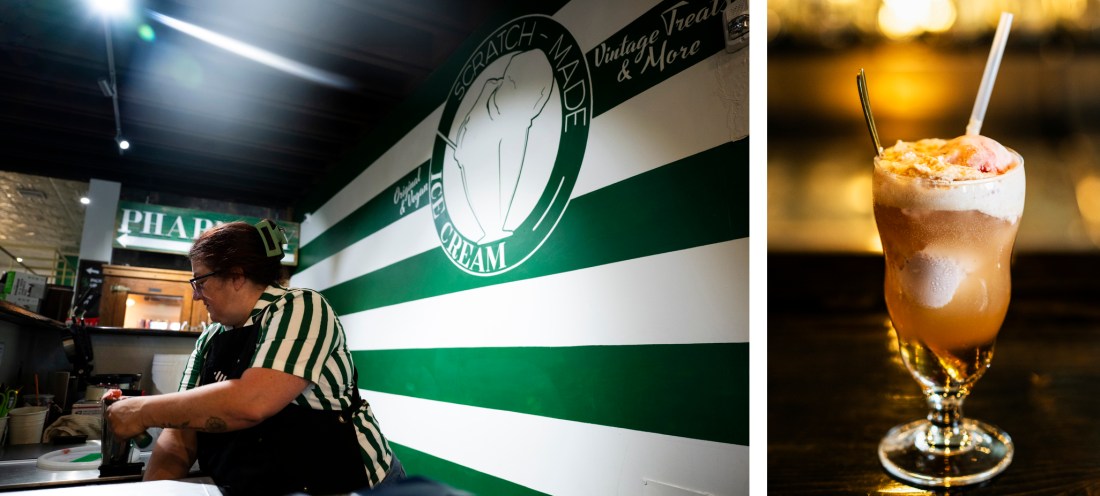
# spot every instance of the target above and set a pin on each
(145, 227)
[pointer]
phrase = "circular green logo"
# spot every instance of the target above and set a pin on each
(509, 145)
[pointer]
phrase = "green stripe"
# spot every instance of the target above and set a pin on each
(300, 338)
(455, 475)
(413, 111)
(281, 328)
(345, 376)
(321, 353)
(368, 219)
(191, 376)
(610, 89)
(325, 340)
(335, 386)
(368, 460)
(268, 297)
(374, 441)
(698, 391)
(88, 458)
(699, 200)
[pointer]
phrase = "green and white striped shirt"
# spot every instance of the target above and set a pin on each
(301, 335)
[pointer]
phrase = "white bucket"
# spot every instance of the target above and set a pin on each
(27, 423)
(167, 371)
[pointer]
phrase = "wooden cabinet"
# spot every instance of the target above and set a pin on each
(138, 297)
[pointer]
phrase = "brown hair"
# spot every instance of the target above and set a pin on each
(238, 244)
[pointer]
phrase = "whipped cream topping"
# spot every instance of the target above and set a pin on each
(966, 173)
(961, 159)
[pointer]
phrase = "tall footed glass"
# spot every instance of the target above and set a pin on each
(947, 245)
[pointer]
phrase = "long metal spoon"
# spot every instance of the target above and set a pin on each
(861, 83)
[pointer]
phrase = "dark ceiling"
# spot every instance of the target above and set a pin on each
(203, 121)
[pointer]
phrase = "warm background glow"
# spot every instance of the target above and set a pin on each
(900, 19)
(826, 21)
(924, 61)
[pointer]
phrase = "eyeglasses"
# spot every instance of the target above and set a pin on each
(196, 285)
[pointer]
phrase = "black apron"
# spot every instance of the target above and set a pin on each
(298, 449)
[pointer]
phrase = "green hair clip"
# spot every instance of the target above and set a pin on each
(273, 237)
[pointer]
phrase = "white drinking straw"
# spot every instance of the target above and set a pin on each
(974, 127)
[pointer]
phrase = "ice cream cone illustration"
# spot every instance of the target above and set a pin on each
(509, 145)
(490, 145)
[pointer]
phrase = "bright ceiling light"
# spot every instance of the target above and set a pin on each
(112, 8)
(84, 200)
(19, 259)
(260, 55)
(123, 144)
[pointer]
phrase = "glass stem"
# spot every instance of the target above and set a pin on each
(946, 433)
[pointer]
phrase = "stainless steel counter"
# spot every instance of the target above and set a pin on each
(19, 469)
(186, 487)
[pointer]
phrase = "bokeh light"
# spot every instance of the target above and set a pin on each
(146, 33)
(1088, 198)
(900, 19)
(827, 22)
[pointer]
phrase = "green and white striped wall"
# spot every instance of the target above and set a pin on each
(618, 352)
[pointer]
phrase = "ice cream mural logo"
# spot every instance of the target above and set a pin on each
(509, 145)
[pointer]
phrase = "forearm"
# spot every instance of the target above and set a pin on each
(218, 407)
(173, 455)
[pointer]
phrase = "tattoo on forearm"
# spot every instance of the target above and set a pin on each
(215, 424)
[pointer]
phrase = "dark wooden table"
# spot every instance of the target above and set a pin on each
(836, 383)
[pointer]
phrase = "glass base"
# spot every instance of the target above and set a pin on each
(905, 453)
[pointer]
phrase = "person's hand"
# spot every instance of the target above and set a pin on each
(124, 416)
(111, 395)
